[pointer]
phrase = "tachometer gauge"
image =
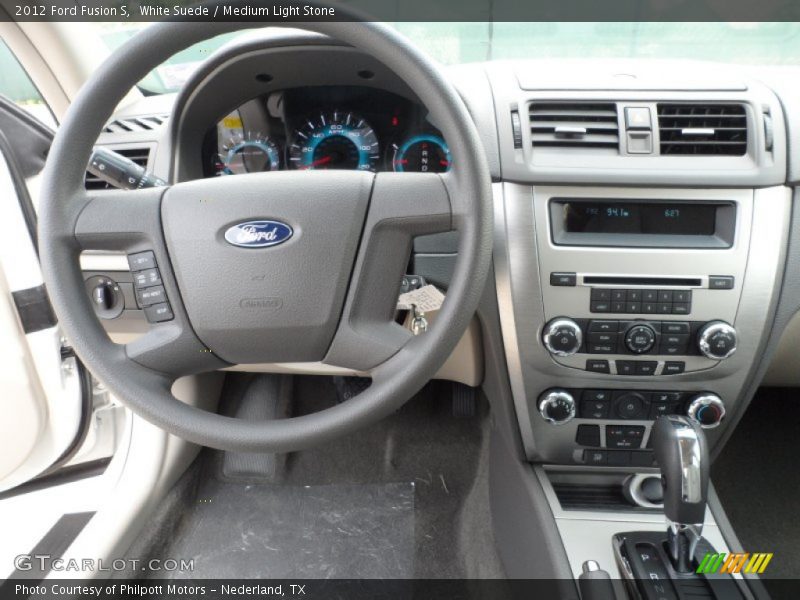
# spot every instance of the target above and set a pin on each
(425, 153)
(335, 140)
(248, 155)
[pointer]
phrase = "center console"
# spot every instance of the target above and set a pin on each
(620, 305)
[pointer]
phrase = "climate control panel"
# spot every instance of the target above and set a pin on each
(566, 337)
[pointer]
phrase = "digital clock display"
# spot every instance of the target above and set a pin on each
(639, 218)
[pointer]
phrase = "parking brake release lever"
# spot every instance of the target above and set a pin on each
(120, 171)
(681, 451)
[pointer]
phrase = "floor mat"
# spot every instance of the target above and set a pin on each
(758, 480)
(285, 532)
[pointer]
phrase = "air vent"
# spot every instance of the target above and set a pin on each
(138, 155)
(703, 129)
(131, 124)
(574, 125)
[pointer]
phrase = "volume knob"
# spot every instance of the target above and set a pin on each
(557, 406)
(707, 409)
(717, 340)
(562, 337)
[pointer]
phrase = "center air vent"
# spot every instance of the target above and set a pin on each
(703, 129)
(138, 155)
(586, 125)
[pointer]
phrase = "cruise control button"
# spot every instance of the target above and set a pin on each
(151, 295)
(147, 278)
(158, 313)
(141, 261)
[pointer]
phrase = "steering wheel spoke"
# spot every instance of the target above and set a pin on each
(402, 206)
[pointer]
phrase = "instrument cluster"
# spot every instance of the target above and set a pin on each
(325, 127)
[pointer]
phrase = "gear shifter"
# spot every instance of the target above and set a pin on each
(682, 453)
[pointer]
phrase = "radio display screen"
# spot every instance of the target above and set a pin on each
(679, 218)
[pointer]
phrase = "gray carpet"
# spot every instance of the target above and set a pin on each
(758, 480)
(405, 498)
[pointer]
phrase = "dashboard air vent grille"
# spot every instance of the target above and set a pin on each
(703, 129)
(138, 155)
(131, 124)
(589, 125)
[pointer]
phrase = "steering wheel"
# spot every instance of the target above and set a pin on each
(326, 294)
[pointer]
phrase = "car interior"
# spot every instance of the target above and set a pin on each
(328, 307)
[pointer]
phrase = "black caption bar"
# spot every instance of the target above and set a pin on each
(266, 11)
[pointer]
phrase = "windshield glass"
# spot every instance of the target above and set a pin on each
(451, 43)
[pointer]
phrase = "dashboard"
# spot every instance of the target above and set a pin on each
(325, 127)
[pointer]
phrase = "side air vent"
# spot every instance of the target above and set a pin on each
(138, 155)
(703, 129)
(586, 125)
(131, 124)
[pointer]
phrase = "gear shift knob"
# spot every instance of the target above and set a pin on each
(682, 454)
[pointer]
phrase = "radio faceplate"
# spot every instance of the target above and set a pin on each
(722, 288)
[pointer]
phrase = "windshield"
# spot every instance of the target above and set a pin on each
(452, 43)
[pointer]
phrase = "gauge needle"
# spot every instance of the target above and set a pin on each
(320, 161)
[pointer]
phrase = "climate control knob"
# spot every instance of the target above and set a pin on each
(717, 340)
(707, 409)
(557, 406)
(640, 339)
(562, 337)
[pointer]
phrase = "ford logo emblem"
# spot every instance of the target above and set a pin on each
(258, 234)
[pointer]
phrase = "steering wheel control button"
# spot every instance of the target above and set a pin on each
(141, 261)
(707, 409)
(150, 296)
(717, 340)
(563, 279)
(720, 282)
(147, 278)
(562, 337)
(640, 339)
(630, 405)
(557, 406)
(158, 313)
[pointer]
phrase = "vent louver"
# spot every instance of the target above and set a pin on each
(138, 155)
(588, 125)
(131, 124)
(703, 129)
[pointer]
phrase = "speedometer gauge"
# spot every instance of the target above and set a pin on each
(425, 153)
(335, 140)
(248, 155)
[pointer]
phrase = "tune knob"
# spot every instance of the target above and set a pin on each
(707, 409)
(717, 340)
(557, 406)
(562, 337)
(640, 339)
